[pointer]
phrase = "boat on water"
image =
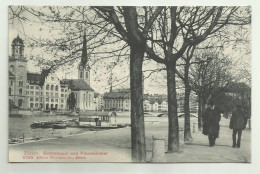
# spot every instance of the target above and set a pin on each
(100, 121)
(43, 124)
(59, 126)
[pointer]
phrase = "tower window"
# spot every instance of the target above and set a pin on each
(81, 74)
(87, 75)
(20, 83)
(20, 92)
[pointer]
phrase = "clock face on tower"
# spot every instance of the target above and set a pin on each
(21, 69)
(11, 68)
(81, 67)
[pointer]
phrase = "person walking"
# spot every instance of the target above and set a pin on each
(238, 123)
(211, 118)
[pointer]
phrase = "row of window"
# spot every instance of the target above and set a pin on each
(35, 99)
(36, 105)
(51, 87)
(81, 75)
(47, 100)
(47, 94)
(32, 93)
(32, 87)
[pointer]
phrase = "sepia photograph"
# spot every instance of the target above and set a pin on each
(129, 84)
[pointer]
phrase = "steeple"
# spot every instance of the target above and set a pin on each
(84, 56)
(83, 68)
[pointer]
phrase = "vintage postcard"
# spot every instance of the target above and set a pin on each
(161, 84)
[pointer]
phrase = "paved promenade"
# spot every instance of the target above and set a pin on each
(114, 146)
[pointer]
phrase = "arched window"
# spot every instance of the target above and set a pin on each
(87, 75)
(47, 106)
(47, 87)
(81, 75)
(52, 87)
(20, 102)
(89, 99)
(31, 105)
(56, 88)
(20, 92)
(21, 50)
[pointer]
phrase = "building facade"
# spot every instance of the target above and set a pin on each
(117, 100)
(31, 91)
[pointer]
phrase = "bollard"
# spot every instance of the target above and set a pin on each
(158, 155)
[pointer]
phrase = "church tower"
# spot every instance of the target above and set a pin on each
(18, 69)
(84, 74)
(83, 68)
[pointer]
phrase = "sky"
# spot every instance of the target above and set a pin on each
(155, 84)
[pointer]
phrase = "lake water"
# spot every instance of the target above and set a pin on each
(19, 126)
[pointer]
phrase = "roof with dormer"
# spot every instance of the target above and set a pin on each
(34, 78)
(117, 95)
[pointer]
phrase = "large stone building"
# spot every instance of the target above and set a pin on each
(117, 100)
(31, 91)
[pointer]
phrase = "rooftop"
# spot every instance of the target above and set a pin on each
(117, 95)
(76, 84)
(34, 78)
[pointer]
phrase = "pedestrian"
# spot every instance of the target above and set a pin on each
(238, 123)
(211, 118)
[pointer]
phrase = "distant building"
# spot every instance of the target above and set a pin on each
(98, 100)
(27, 92)
(155, 102)
(193, 103)
(117, 100)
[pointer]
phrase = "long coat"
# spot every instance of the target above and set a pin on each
(211, 118)
(238, 120)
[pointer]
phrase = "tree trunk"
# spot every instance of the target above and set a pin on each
(187, 131)
(200, 111)
(173, 132)
(137, 119)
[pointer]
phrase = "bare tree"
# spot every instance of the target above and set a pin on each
(127, 24)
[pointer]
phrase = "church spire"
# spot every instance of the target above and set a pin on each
(84, 56)
(83, 68)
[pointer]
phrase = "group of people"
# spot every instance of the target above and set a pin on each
(211, 119)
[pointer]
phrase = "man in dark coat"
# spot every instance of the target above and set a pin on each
(211, 118)
(238, 123)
